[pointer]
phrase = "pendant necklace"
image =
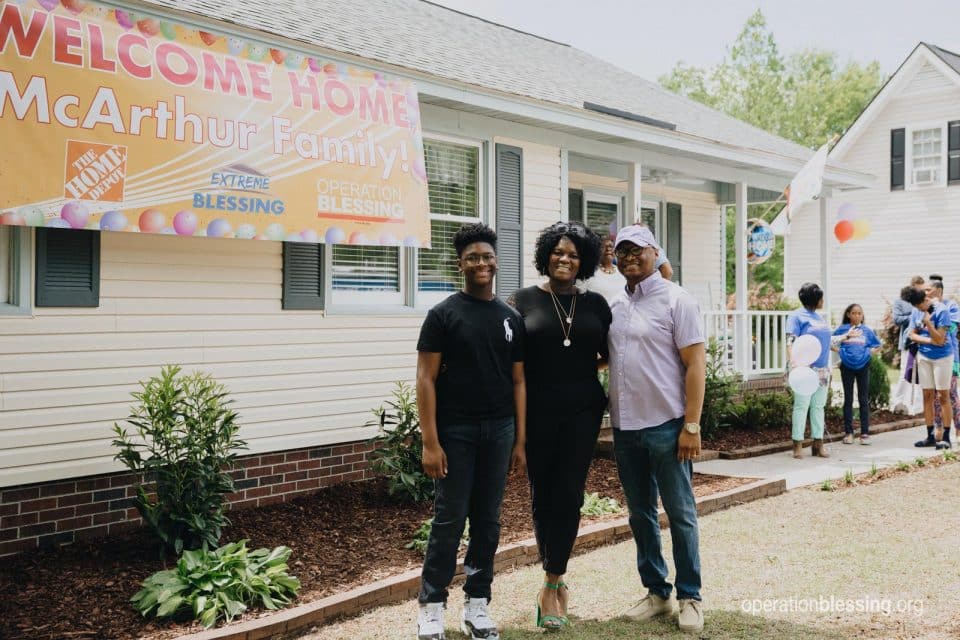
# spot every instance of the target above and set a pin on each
(566, 319)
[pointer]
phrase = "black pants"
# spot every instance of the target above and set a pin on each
(559, 451)
(862, 378)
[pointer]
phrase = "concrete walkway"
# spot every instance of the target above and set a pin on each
(885, 450)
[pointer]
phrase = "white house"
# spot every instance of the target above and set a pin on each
(519, 131)
(909, 137)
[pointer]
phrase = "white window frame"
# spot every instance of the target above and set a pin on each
(592, 194)
(426, 299)
(941, 180)
(17, 252)
(365, 300)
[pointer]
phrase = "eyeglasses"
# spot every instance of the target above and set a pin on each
(473, 259)
(629, 252)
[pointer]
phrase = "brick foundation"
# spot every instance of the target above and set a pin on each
(64, 511)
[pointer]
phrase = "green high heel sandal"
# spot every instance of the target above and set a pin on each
(550, 623)
(566, 620)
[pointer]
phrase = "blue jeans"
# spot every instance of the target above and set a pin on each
(648, 466)
(478, 458)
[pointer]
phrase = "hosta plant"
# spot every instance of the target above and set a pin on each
(218, 585)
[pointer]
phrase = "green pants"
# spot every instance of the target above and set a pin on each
(815, 404)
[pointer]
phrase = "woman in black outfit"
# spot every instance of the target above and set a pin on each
(566, 339)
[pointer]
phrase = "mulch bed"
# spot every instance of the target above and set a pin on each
(872, 477)
(730, 439)
(342, 537)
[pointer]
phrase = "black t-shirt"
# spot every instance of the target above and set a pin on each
(479, 341)
(563, 379)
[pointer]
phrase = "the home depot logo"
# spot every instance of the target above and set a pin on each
(95, 171)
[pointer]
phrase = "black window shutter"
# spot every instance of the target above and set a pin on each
(509, 219)
(68, 268)
(575, 210)
(897, 152)
(674, 235)
(953, 152)
(302, 275)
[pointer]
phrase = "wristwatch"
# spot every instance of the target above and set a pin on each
(692, 427)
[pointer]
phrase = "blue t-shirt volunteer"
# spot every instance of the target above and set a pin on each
(940, 317)
(855, 352)
(802, 322)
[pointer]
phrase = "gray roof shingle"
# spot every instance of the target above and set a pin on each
(450, 45)
(952, 59)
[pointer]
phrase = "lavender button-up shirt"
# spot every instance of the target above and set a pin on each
(647, 377)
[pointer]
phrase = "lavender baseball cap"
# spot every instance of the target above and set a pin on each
(638, 234)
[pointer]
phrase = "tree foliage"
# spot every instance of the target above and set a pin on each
(806, 96)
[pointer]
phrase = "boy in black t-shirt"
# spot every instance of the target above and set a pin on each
(471, 398)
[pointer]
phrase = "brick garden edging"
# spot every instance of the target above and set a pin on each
(406, 585)
(65, 511)
(786, 445)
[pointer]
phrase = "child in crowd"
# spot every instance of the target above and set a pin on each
(856, 343)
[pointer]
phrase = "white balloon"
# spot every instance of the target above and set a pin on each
(805, 351)
(804, 381)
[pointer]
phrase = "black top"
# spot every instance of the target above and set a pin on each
(559, 378)
(479, 341)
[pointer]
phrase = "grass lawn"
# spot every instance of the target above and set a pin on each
(869, 550)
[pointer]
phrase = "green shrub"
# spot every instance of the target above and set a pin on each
(759, 411)
(878, 390)
(220, 584)
(718, 392)
(422, 535)
(185, 440)
(398, 446)
(596, 505)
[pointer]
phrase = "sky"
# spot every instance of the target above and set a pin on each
(649, 38)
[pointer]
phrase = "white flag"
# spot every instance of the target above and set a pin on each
(805, 187)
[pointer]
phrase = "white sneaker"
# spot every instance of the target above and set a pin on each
(691, 616)
(651, 606)
(476, 621)
(430, 621)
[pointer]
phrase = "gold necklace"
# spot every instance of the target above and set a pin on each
(610, 269)
(566, 319)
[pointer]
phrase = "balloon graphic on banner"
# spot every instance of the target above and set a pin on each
(12, 219)
(185, 223)
(843, 231)
(805, 351)
(245, 232)
(113, 221)
(804, 381)
(76, 214)
(861, 229)
(33, 216)
(151, 221)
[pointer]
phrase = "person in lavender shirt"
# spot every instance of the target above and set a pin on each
(657, 378)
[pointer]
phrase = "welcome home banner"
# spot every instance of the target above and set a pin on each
(120, 121)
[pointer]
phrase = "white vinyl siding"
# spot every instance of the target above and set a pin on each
(912, 231)
(299, 379)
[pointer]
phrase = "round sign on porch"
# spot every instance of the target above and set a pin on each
(761, 241)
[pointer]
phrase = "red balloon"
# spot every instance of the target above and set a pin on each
(843, 231)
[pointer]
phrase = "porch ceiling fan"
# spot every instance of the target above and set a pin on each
(663, 176)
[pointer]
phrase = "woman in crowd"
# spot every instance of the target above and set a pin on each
(607, 281)
(802, 322)
(566, 339)
(856, 343)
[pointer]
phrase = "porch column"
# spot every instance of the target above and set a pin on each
(634, 183)
(825, 245)
(742, 350)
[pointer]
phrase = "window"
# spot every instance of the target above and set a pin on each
(953, 152)
(453, 183)
(926, 156)
(14, 269)
(372, 275)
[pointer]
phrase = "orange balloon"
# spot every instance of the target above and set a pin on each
(843, 231)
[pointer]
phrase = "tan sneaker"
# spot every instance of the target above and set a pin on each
(848, 438)
(651, 606)
(691, 616)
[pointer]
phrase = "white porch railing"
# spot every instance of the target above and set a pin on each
(754, 341)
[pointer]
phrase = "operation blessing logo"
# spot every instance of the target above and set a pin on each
(238, 177)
